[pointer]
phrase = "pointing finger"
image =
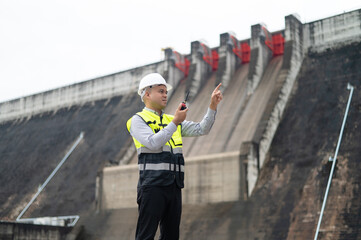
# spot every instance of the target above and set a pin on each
(217, 88)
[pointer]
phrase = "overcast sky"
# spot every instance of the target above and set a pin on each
(46, 44)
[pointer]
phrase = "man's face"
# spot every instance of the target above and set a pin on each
(157, 97)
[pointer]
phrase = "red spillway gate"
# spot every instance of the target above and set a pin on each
(241, 50)
(246, 52)
(278, 44)
(275, 42)
(211, 57)
(182, 63)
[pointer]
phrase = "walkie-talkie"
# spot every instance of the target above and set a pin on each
(184, 105)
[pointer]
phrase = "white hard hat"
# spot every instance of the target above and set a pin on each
(150, 80)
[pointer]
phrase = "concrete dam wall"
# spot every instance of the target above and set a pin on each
(215, 171)
(261, 172)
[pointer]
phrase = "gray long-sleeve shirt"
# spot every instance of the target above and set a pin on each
(144, 134)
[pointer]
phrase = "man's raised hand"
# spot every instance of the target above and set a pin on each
(216, 98)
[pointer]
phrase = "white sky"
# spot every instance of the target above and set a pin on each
(46, 44)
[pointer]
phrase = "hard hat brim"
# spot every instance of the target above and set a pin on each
(168, 86)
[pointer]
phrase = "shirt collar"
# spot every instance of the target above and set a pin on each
(151, 110)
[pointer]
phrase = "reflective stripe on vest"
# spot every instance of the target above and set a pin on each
(160, 166)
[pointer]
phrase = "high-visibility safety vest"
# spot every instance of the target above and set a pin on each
(163, 166)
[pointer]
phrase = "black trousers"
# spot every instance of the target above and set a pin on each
(159, 205)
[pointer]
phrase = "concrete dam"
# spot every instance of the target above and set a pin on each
(262, 171)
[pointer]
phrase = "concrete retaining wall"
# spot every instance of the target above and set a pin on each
(208, 179)
(11, 230)
(317, 36)
(105, 87)
(212, 178)
(119, 187)
(199, 70)
(254, 153)
(228, 61)
(293, 58)
(260, 56)
(298, 38)
(334, 31)
(77, 94)
(171, 72)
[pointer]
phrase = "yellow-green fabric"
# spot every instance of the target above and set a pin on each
(163, 166)
(156, 123)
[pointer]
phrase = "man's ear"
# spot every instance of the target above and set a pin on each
(146, 96)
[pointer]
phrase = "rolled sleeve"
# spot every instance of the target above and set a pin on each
(193, 129)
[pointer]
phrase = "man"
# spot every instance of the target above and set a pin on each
(158, 139)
